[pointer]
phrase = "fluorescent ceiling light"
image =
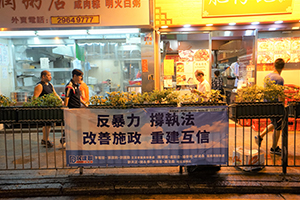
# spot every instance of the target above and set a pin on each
(255, 23)
(187, 26)
(61, 33)
(249, 32)
(112, 31)
(295, 27)
(209, 24)
(164, 27)
(47, 45)
(16, 33)
(272, 29)
(227, 33)
(278, 22)
(232, 23)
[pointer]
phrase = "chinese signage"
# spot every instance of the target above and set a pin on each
(73, 13)
(217, 8)
(147, 136)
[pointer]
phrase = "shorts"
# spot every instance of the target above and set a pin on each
(277, 123)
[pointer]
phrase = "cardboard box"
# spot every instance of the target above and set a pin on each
(237, 159)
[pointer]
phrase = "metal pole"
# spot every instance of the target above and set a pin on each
(284, 153)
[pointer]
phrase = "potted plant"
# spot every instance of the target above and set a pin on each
(214, 97)
(7, 112)
(45, 108)
(257, 102)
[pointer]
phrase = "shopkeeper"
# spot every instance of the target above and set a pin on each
(203, 87)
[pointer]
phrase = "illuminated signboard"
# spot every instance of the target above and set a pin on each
(76, 13)
(217, 8)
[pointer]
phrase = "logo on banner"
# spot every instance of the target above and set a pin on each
(81, 159)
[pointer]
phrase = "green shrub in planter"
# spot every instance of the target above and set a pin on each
(45, 108)
(7, 113)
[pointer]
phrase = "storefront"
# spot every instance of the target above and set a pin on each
(232, 35)
(105, 39)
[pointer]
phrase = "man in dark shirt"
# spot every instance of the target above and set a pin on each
(42, 88)
(73, 99)
(73, 96)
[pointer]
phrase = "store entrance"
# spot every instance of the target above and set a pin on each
(230, 53)
(234, 58)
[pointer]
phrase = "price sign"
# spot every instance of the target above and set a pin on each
(80, 19)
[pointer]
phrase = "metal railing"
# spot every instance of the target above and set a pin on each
(21, 148)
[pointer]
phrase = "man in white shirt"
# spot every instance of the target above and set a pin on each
(235, 69)
(203, 87)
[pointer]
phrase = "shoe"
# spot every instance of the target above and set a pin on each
(277, 151)
(49, 144)
(258, 140)
(63, 142)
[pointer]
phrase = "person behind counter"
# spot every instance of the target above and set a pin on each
(42, 88)
(217, 82)
(73, 96)
(203, 86)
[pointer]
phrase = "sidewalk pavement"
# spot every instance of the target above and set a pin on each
(146, 180)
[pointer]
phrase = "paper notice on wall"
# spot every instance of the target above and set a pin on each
(4, 73)
(168, 67)
(44, 63)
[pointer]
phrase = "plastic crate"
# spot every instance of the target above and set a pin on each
(291, 124)
(244, 122)
(260, 124)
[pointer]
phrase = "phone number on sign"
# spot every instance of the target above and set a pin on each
(86, 19)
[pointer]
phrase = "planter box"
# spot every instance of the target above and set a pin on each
(294, 109)
(256, 110)
(40, 114)
(202, 104)
(108, 107)
(8, 114)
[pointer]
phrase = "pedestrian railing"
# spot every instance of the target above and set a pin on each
(21, 148)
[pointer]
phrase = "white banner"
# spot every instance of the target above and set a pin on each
(162, 136)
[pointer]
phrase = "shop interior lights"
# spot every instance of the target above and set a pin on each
(61, 32)
(232, 23)
(278, 22)
(112, 31)
(255, 23)
(17, 33)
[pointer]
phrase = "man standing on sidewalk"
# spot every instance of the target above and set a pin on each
(73, 96)
(276, 123)
(42, 88)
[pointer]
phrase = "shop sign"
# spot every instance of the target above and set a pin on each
(73, 13)
(158, 136)
(219, 8)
